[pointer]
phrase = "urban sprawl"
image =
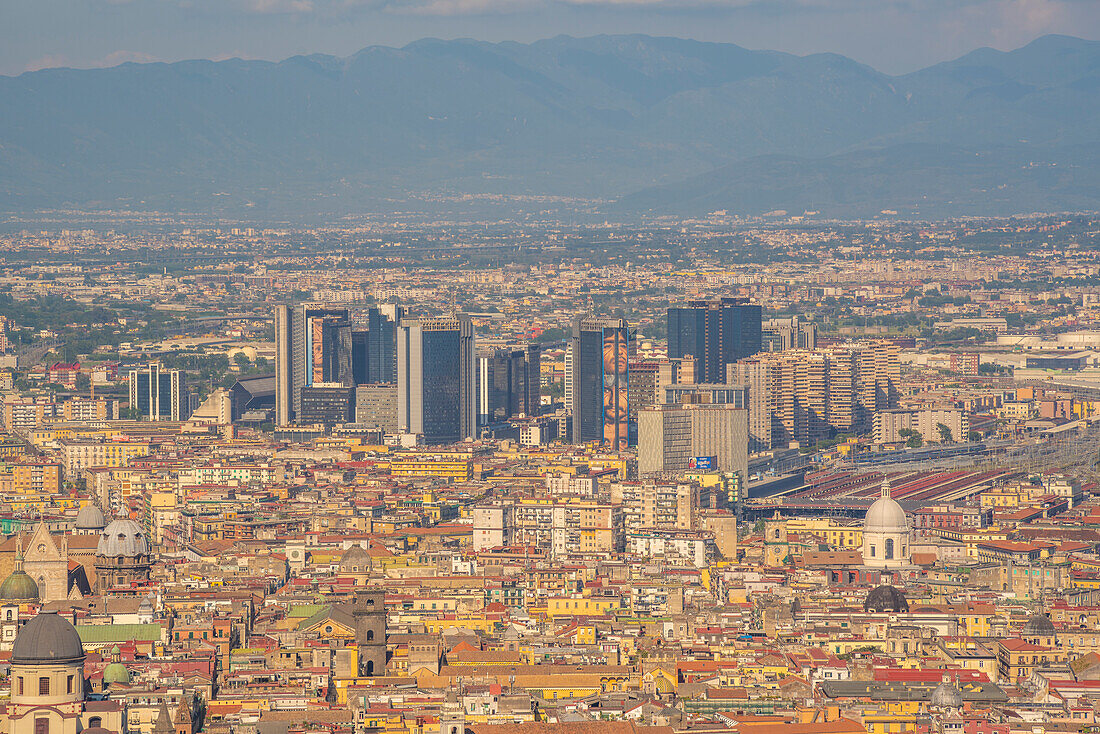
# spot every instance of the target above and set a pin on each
(778, 476)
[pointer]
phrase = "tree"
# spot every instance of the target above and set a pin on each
(945, 433)
(241, 359)
(915, 440)
(973, 436)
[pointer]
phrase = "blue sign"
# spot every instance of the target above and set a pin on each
(703, 463)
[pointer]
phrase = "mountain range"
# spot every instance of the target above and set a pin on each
(622, 125)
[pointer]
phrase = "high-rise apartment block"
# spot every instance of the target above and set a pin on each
(648, 381)
(436, 394)
(715, 333)
(559, 527)
(157, 394)
(803, 395)
(598, 372)
(658, 505)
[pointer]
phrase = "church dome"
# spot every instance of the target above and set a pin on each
(90, 517)
(1038, 625)
(885, 515)
(46, 639)
(123, 538)
(19, 587)
(885, 598)
(116, 673)
(946, 696)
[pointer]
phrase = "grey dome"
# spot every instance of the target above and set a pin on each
(1038, 626)
(885, 598)
(90, 517)
(946, 696)
(885, 516)
(123, 538)
(47, 638)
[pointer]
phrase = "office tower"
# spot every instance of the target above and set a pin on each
(436, 378)
(326, 402)
(283, 365)
(313, 344)
(376, 406)
(783, 334)
(359, 339)
(722, 394)
(674, 438)
(381, 359)
(715, 333)
(567, 392)
(508, 383)
(600, 380)
(157, 394)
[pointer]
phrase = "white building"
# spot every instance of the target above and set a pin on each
(886, 533)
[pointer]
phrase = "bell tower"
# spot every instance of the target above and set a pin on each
(369, 612)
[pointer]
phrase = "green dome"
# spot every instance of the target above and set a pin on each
(19, 587)
(115, 673)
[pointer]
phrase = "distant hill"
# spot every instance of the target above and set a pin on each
(655, 125)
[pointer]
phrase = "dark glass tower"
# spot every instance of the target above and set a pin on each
(715, 333)
(435, 378)
(600, 378)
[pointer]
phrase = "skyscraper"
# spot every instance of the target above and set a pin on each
(381, 342)
(508, 383)
(715, 333)
(313, 344)
(671, 437)
(157, 394)
(599, 377)
(435, 378)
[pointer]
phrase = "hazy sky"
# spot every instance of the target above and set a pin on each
(891, 35)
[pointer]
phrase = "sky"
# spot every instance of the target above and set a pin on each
(894, 36)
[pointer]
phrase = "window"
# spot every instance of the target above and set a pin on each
(43, 687)
(94, 722)
(370, 635)
(872, 551)
(69, 685)
(20, 686)
(41, 726)
(889, 548)
(370, 667)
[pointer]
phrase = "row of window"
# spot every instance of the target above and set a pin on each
(44, 685)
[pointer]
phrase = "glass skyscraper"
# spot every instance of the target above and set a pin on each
(715, 333)
(435, 378)
(600, 380)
